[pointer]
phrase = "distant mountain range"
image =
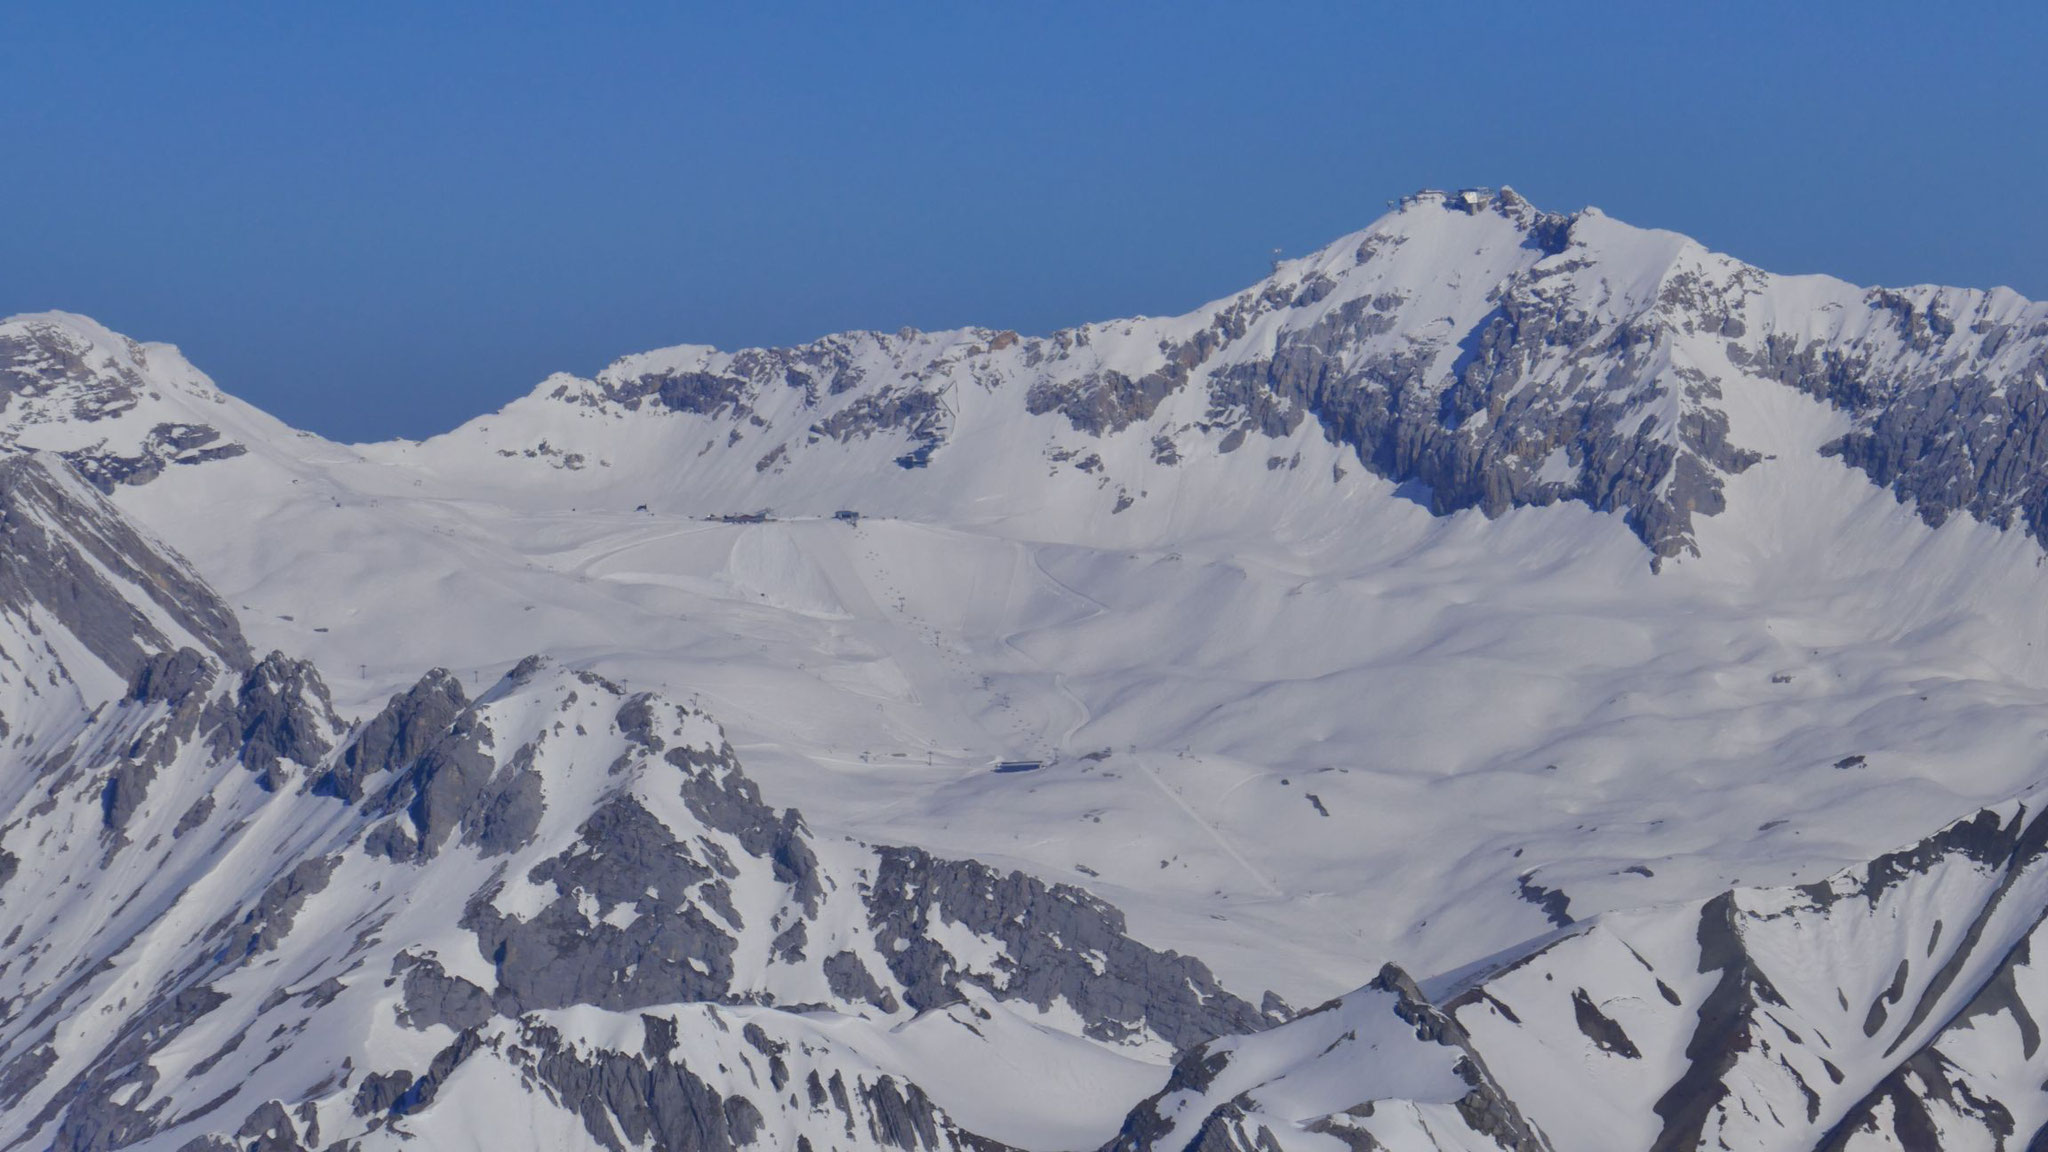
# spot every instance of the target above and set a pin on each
(1508, 680)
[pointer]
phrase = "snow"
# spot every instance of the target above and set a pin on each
(1237, 627)
(995, 1069)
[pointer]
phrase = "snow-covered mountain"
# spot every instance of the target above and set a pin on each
(1530, 637)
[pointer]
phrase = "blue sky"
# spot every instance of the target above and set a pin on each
(380, 220)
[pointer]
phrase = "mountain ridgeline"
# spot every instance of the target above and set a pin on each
(1484, 353)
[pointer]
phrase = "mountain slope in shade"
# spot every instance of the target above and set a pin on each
(1890, 1006)
(1574, 617)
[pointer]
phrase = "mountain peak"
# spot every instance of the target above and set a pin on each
(117, 410)
(1396, 347)
(1479, 351)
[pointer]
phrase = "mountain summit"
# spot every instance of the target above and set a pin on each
(1485, 353)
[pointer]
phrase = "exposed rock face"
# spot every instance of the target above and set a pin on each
(670, 951)
(398, 736)
(452, 782)
(1948, 389)
(45, 361)
(1548, 374)
(164, 445)
(283, 716)
(123, 597)
(1058, 944)
(58, 371)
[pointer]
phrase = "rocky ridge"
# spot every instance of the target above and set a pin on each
(1890, 1006)
(1483, 352)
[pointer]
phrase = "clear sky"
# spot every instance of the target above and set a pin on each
(381, 219)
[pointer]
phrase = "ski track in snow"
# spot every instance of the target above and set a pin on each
(1208, 829)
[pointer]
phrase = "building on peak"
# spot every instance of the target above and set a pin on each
(1468, 200)
(1472, 201)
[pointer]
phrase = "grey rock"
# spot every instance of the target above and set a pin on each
(283, 715)
(1146, 1124)
(1485, 1108)
(397, 736)
(1410, 426)
(85, 1113)
(44, 358)
(270, 918)
(1047, 934)
(1727, 1024)
(269, 1129)
(724, 799)
(672, 952)
(850, 979)
(401, 1093)
(654, 1102)
(1951, 419)
(75, 558)
(433, 997)
(650, 1100)
(445, 776)
(1554, 903)
(22, 1073)
(194, 816)
(1605, 1033)
(171, 678)
(180, 681)
(166, 444)
(636, 720)
(914, 413)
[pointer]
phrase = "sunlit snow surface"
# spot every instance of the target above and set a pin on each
(1470, 700)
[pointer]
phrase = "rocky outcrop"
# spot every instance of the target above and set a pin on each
(396, 738)
(1057, 944)
(58, 370)
(283, 717)
(124, 597)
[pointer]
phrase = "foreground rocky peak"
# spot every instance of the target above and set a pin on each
(234, 916)
(555, 912)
